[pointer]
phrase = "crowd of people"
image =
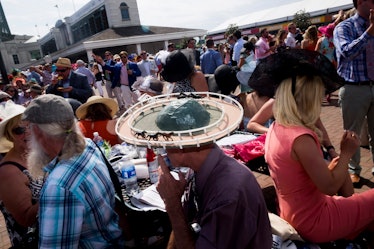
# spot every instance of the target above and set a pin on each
(53, 176)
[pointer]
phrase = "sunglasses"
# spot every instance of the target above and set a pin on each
(19, 130)
(61, 70)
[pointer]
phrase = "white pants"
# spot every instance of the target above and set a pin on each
(118, 95)
(99, 86)
(129, 96)
(109, 90)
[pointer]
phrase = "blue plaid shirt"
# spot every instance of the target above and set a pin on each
(350, 40)
(76, 204)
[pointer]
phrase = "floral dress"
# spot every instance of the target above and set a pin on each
(328, 49)
(183, 86)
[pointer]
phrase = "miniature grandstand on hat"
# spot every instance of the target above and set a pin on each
(186, 128)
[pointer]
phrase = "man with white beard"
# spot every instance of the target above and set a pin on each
(77, 199)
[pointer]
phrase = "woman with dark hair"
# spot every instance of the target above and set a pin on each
(96, 115)
(179, 69)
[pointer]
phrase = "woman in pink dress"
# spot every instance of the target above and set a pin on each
(306, 185)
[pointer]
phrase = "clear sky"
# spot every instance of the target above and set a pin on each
(36, 17)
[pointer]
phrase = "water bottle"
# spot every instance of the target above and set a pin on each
(152, 163)
(128, 175)
(164, 155)
(97, 139)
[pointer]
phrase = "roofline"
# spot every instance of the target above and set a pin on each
(285, 19)
(142, 39)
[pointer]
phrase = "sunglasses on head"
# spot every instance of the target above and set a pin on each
(19, 130)
(61, 70)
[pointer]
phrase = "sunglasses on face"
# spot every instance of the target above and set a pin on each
(19, 130)
(61, 70)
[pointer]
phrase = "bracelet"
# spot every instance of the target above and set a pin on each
(330, 147)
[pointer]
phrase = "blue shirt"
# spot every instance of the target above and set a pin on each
(209, 61)
(350, 40)
(85, 71)
(76, 204)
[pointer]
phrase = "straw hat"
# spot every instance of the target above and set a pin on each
(8, 110)
(272, 70)
(110, 103)
(188, 120)
(63, 62)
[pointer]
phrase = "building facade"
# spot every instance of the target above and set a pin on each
(98, 26)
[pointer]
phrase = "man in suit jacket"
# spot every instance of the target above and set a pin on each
(68, 83)
(124, 76)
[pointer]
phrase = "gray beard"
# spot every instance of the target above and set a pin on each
(36, 158)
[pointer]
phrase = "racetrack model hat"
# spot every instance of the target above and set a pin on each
(180, 120)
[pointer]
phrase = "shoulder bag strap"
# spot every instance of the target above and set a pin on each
(113, 175)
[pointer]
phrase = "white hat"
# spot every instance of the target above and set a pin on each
(188, 120)
(4, 95)
(8, 110)
(151, 85)
(80, 62)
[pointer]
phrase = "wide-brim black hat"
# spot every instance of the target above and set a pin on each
(177, 66)
(272, 70)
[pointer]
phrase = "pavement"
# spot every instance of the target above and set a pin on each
(332, 120)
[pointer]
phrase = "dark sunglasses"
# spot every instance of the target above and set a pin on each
(61, 70)
(19, 130)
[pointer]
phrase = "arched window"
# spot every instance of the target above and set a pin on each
(124, 11)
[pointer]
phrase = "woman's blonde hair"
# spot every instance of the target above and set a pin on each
(301, 107)
(311, 33)
(12, 123)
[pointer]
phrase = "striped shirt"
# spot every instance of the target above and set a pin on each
(351, 41)
(76, 204)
